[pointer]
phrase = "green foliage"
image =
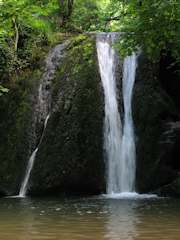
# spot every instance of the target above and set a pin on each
(176, 64)
(28, 28)
(36, 25)
(21, 27)
(76, 41)
(2, 90)
(23, 13)
(86, 14)
(153, 25)
(74, 49)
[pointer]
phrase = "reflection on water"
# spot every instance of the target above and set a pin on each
(121, 220)
(89, 218)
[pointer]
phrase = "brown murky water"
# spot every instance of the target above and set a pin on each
(89, 218)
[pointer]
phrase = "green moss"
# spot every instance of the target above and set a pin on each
(71, 153)
(38, 73)
(170, 190)
(71, 148)
(16, 111)
(76, 41)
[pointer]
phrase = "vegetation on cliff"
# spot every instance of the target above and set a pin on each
(28, 29)
(153, 25)
(16, 110)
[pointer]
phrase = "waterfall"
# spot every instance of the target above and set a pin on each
(23, 188)
(128, 166)
(43, 105)
(113, 128)
(118, 140)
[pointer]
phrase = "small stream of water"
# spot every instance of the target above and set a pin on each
(43, 105)
(23, 189)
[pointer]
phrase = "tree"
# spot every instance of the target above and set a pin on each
(20, 22)
(16, 14)
(65, 12)
(153, 25)
(86, 14)
(21, 27)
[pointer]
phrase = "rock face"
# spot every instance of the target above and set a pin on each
(70, 156)
(157, 129)
(171, 190)
(16, 131)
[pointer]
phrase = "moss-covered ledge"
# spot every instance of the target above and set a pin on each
(170, 190)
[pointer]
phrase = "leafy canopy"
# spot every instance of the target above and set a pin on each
(151, 24)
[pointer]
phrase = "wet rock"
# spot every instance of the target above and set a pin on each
(156, 121)
(170, 190)
(70, 157)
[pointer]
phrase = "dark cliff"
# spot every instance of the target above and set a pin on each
(157, 127)
(70, 156)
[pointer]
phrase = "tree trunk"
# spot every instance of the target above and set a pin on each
(61, 12)
(70, 10)
(16, 37)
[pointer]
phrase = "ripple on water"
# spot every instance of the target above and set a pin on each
(121, 217)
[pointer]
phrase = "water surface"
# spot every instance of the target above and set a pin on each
(89, 218)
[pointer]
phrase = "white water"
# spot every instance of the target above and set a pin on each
(128, 166)
(128, 195)
(118, 142)
(23, 189)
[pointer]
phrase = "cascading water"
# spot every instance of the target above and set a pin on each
(118, 142)
(43, 108)
(113, 129)
(23, 188)
(128, 166)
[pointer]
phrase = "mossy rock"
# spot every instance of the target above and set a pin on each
(170, 190)
(70, 157)
(16, 111)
